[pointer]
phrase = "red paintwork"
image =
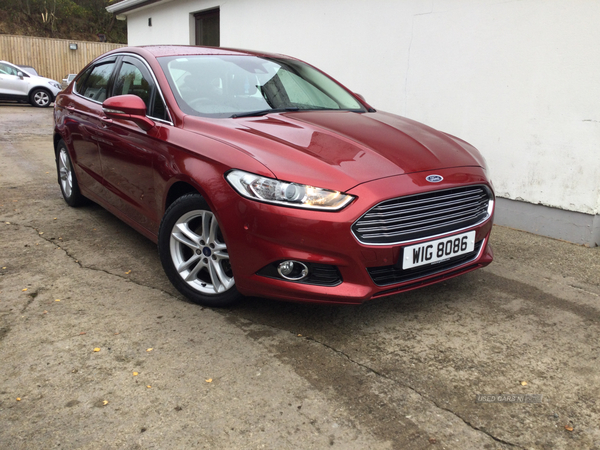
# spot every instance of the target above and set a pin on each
(127, 107)
(374, 156)
(128, 104)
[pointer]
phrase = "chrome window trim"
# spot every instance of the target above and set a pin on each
(145, 63)
(490, 210)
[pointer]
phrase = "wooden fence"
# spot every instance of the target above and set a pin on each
(51, 58)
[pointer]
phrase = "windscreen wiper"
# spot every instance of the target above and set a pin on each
(263, 112)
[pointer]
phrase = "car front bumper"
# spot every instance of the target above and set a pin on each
(261, 234)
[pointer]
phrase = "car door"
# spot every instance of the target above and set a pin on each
(83, 122)
(11, 85)
(127, 152)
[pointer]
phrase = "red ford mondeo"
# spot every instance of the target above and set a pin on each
(259, 175)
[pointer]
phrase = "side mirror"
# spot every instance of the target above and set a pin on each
(128, 107)
(20, 74)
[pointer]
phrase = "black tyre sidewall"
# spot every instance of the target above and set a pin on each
(178, 208)
(76, 198)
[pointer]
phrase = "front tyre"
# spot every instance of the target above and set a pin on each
(40, 98)
(194, 254)
(66, 177)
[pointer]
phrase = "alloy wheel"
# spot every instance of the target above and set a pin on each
(65, 172)
(199, 253)
(41, 98)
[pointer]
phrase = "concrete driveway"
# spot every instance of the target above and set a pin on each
(98, 351)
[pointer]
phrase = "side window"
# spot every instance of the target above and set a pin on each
(134, 78)
(80, 82)
(8, 70)
(159, 110)
(130, 80)
(95, 84)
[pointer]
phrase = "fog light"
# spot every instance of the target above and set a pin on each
(292, 270)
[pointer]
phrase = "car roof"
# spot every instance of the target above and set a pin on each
(189, 50)
(15, 65)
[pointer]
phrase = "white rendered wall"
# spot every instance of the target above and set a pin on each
(517, 79)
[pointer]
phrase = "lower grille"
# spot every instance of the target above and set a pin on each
(418, 284)
(386, 275)
(324, 275)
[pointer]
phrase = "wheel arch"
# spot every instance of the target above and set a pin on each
(56, 139)
(197, 176)
(41, 88)
(211, 192)
(206, 279)
(179, 189)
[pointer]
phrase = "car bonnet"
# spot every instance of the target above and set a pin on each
(341, 149)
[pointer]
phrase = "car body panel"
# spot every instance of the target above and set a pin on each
(338, 148)
(78, 123)
(13, 86)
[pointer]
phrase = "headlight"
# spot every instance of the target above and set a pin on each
(283, 193)
(55, 84)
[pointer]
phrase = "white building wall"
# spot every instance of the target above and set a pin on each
(517, 79)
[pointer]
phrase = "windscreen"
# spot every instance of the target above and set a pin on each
(232, 86)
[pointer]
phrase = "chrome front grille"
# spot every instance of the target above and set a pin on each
(423, 215)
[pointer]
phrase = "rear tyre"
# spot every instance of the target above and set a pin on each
(40, 98)
(194, 254)
(66, 177)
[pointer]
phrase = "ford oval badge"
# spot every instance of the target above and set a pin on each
(434, 178)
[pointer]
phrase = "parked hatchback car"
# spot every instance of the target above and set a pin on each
(259, 175)
(30, 70)
(18, 84)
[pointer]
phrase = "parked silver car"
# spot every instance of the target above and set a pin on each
(30, 70)
(20, 85)
(67, 81)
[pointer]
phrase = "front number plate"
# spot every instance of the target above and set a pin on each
(438, 250)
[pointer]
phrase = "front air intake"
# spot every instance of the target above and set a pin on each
(420, 216)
